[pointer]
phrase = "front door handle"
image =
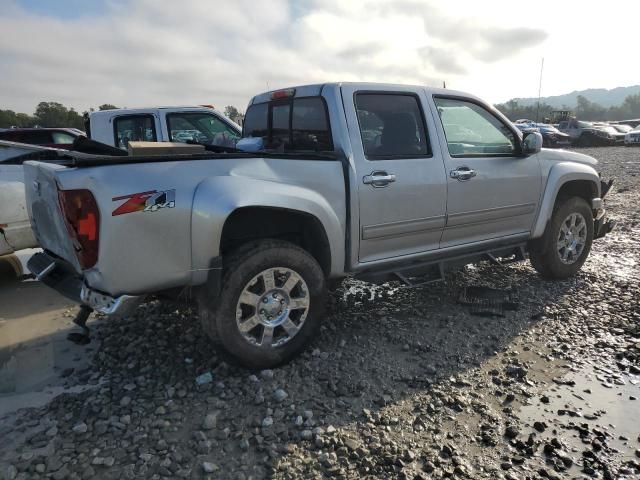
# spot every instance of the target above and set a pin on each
(462, 174)
(378, 179)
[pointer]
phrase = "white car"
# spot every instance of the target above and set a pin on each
(632, 137)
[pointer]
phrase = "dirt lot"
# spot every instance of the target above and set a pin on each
(400, 384)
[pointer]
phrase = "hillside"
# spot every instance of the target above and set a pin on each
(604, 97)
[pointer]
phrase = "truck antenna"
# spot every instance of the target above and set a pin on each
(539, 90)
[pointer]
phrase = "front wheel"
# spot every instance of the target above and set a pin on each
(566, 242)
(271, 304)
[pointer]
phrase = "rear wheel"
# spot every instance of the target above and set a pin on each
(271, 304)
(566, 242)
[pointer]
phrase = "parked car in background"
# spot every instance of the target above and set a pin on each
(622, 128)
(632, 137)
(616, 134)
(15, 228)
(551, 136)
(48, 137)
(162, 124)
(377, 181)
(587, 134)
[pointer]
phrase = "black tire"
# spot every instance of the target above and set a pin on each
(218, 316)
(544, 255)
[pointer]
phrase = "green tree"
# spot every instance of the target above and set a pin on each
(234, 114)
(52, 114)
(74, 119)
(588, 110)
(107, 106)
(514, 111)
(9, 118)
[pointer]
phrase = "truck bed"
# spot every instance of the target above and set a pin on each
(152, 250)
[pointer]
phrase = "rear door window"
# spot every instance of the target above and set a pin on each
(35, 137)
(134, 128)
(391, 126)
(10, 136)
(298, 124)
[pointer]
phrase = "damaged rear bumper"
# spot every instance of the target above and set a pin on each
(60, 275)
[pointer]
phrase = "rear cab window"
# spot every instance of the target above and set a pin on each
(290, 124)
(392, 126)
(134, 128)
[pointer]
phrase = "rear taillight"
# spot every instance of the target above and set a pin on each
(83, 222)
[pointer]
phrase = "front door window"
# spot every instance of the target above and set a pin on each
(473, 131)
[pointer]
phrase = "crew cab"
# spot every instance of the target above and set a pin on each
(377, 181)
(203, 124)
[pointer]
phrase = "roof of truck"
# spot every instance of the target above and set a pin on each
(146, 109)
(316, 89)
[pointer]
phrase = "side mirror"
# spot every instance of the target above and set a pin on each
(532, 143)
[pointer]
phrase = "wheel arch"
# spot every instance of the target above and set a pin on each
(566, 179)
(249, 223)
(225, 206)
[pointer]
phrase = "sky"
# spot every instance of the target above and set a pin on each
(137, 53)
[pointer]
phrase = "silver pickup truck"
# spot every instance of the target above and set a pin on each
(381, 182)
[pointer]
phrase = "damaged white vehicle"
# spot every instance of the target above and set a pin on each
(15, 227)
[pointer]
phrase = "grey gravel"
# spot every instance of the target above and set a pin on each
(400, 384)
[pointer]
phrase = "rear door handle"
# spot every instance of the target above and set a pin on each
(378, 179)
(462, 174)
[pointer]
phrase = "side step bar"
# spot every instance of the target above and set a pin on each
(423, 273)
(435, 275)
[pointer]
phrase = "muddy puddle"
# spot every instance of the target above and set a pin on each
(593, 399)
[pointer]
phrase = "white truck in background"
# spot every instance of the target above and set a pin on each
(117, 127)
(201, 124)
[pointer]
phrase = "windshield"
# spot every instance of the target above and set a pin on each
(298, 124)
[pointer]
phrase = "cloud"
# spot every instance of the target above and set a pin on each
(149, 52)
(500, 43)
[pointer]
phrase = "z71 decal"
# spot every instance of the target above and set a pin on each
(145, 202)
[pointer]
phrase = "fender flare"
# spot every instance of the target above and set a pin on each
(216, 198)
(559, 175)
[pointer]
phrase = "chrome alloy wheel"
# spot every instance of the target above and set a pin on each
(571, 238)
(272, 307)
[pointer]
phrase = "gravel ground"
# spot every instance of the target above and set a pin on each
(400, 384)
